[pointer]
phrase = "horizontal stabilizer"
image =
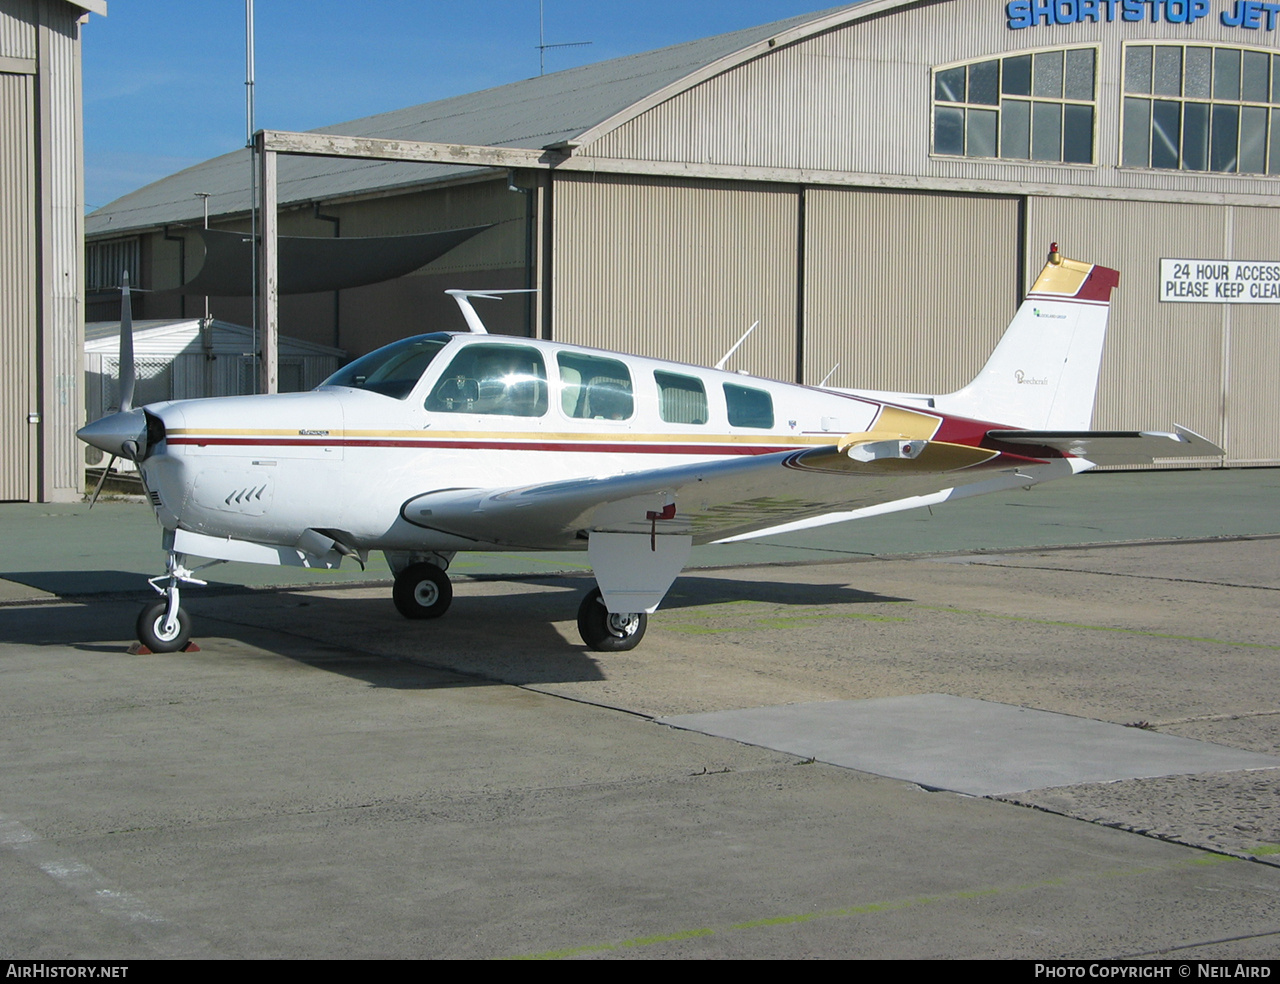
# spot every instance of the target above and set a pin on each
(1116, 447)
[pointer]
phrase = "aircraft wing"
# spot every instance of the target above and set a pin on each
(707, 501)
(1116, 447)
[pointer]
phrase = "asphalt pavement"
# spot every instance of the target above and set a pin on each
(789, 766)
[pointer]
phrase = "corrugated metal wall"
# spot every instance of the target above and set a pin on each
(17, 275)
(907, 292)
(61, 253)
(1251, 337)
(41, 246)
(677, 270)
(17, 28)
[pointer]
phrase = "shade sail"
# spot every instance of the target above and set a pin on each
(308, 265)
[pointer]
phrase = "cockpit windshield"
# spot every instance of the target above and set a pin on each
(394, 369)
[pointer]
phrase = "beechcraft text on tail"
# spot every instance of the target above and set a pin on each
(455, 441)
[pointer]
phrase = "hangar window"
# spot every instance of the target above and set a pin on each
(1191, 107)
(1034, 107)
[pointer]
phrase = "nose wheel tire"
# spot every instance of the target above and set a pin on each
(156, 636)
(422, 591)
(609, 632)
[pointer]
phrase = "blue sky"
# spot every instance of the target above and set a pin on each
(164, 80)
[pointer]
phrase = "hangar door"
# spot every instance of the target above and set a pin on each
(17, 286)
(906, 291)
(677, 270)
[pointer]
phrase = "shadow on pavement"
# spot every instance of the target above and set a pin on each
(489, 635)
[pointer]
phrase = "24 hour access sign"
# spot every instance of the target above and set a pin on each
(1220, 281)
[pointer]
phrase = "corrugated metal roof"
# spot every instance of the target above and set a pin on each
(534, 113)
(97, 330)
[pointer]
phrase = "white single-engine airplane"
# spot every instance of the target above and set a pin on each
(458, 441)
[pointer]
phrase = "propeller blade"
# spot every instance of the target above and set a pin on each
(127, 375)
(128, 433)
(101, 481)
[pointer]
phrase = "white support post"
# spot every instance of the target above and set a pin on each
(268, 272)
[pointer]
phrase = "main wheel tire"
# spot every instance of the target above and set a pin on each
(422, 591)
(606, 632)
(151, 628)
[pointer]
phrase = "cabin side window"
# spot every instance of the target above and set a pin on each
(748, 407)
(681, 399)
(594, 388)
(509, 380)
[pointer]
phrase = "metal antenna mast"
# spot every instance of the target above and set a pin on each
(542, 40)
(253, 185)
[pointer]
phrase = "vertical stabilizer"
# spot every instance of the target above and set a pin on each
(1044, 373)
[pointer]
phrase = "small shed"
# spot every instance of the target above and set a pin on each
(192, 358)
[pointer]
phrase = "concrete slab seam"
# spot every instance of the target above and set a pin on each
(993, 562)
(1264, 854)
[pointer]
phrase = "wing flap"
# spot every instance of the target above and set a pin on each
(1116, 447)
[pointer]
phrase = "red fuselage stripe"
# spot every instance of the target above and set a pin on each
(1005, 457)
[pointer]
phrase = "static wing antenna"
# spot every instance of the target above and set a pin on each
(126, 346)
(828, 375)
(463, 297)
(737, 345)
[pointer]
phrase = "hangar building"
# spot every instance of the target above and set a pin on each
(877, 184)
(41, 230)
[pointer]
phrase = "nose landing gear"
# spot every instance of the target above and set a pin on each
(163, 626)
(159, 631)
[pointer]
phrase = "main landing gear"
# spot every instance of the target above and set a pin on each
(609, 632)
(422, 591)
